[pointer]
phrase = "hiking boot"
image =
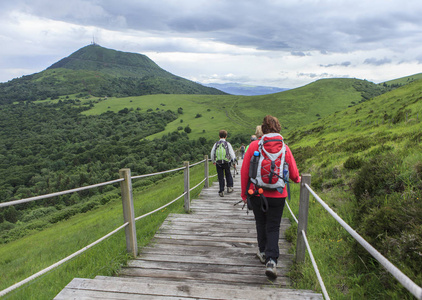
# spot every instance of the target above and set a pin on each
(261, 256)
(271, 269)
(229, 189)
(221, 194)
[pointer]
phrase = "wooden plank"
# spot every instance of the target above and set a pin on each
(204, 276)
(197, 267)
(206, 238)
(83, 294)
(172, 249)
(217, 260)
(213, 243)
(182, 291)
(210, 284)
(217, 231)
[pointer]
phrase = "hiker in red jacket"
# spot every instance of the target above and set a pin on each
(267, 220)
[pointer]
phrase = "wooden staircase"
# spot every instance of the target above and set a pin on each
(207, 254)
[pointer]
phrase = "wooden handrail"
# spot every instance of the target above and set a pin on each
(302, 244)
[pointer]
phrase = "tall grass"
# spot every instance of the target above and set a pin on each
(22, 258)
(354, 136)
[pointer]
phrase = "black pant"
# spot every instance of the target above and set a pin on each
(268, 225)
(224, 170)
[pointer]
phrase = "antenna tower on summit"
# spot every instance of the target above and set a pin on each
(93, 41)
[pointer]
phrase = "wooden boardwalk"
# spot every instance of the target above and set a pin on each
(208, 254)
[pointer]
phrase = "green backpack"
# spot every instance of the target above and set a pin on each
(222, 153)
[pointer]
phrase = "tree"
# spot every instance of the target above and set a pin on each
(187, 129)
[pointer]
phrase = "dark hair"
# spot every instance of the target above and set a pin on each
(270, 124)
(222, 134)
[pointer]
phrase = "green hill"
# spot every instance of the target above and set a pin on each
(402, 81)
(206, 114)
(97, 71)
(366, 163)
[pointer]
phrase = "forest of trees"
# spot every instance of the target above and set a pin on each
(49, 147)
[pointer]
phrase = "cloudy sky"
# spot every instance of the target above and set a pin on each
(282, 43)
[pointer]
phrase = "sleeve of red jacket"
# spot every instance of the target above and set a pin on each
(293, 171)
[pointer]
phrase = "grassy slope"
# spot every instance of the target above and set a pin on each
(112, 62)
(322, 148)
(241, 114)
(404, 80)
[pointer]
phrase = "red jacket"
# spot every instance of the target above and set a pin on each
(273, 148)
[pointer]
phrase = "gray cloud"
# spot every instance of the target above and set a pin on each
(377, 62)
(267, 25)
(343, 64)
(298, 53)
(321, 75)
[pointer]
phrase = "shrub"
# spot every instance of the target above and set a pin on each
(187, 129)
(6, 226)
(378, 177)
(418, 169)
(38, 213)
(353, 163)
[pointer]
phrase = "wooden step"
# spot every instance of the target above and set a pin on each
(130, 288)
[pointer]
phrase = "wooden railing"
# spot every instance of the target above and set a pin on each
(302, 243)
(128, 211)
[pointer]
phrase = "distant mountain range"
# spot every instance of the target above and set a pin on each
(245, 89)
(98, 71)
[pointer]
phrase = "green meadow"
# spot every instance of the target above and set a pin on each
(241, 114)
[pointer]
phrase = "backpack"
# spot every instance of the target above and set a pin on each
(266, 169)
(222, 153)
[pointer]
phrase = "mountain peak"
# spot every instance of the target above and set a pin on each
(112, 62)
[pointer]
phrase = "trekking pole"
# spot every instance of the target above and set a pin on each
(244, 204)
(288, 190)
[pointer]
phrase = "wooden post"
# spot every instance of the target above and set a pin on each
(303, 218)
(206, 172)
(187, 195)
(128, 212)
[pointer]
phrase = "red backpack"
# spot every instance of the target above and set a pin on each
(266, 168)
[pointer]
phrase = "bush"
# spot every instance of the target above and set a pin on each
(38, 213)
(378, 177)
(187, 129)
(6, 226)
(353, 163)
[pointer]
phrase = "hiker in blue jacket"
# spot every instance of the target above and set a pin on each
(222, 155)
